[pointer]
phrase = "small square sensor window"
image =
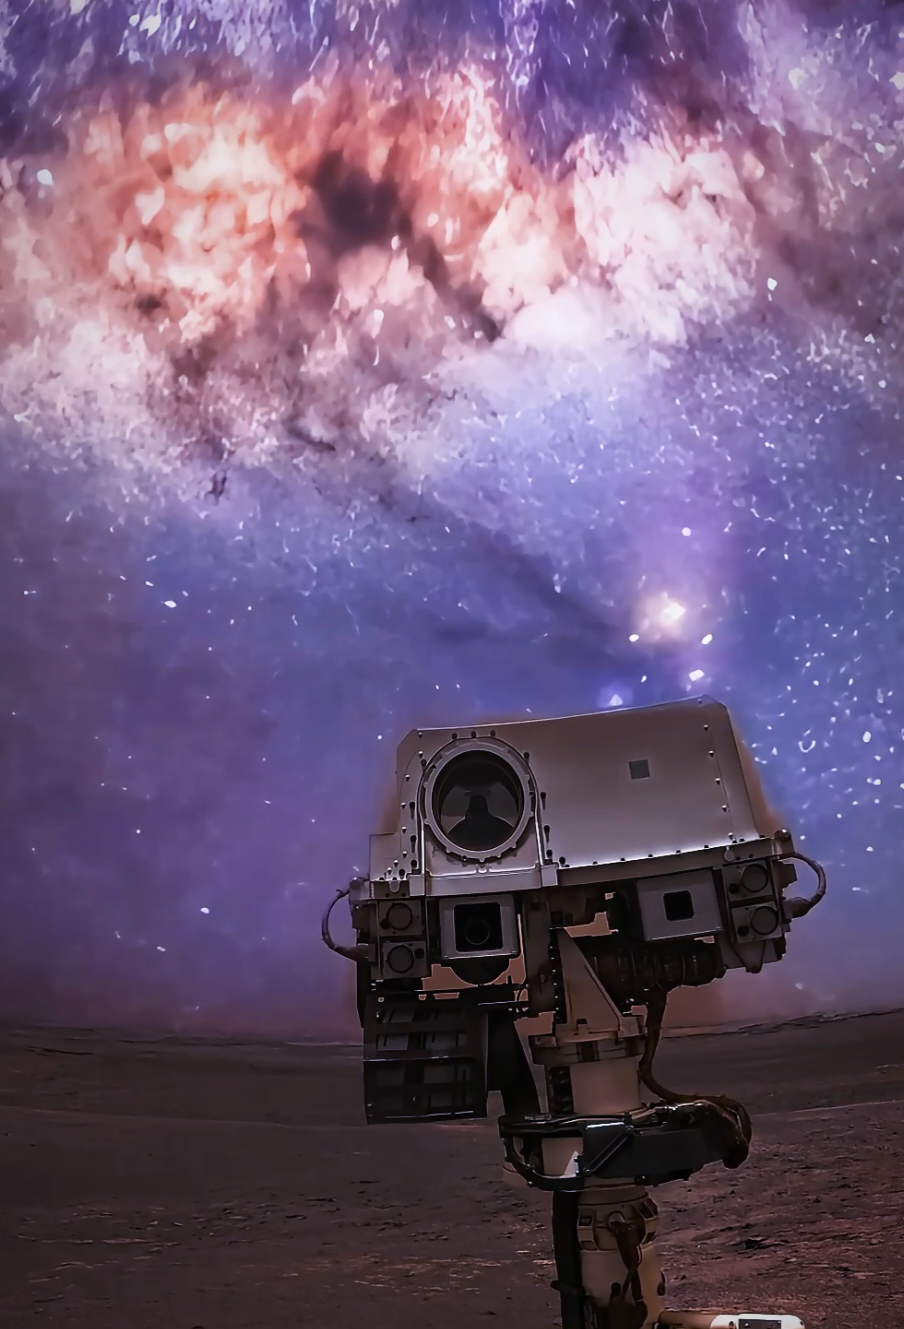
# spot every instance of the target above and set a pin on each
(640, 770)
(679, 906)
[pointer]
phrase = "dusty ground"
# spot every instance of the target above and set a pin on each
(177, 1184)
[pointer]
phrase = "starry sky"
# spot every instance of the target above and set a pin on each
(602, 407)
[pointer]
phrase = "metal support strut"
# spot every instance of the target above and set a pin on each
(599, 1147)
(608, 1273)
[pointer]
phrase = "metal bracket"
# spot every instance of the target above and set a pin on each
(664, 1144)
(591, 1012)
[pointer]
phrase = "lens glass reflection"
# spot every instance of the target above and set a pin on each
(478, 801)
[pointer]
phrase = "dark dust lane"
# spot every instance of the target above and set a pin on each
(158, 1182)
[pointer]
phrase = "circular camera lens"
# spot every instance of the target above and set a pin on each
(400, 960)
(477, 934)
(478, 801)
(478, 927)
(764, 920)
(755, 878)
(399, 917)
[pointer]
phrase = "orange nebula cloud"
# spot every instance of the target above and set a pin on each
(197, 263)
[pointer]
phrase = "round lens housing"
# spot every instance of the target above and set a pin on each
(399, 917)
(477, 801)
(755, 878)
(764, 920)
(400, 960)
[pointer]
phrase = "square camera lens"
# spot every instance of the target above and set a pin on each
(679, 906)
(478, 927)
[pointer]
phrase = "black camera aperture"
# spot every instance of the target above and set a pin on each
(678, 905)
(478, 927)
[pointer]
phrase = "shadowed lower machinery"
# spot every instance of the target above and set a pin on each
(573, 871)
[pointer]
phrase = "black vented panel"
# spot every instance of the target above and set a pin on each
(424, 1059)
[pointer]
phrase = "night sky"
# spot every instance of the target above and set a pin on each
(499, 448)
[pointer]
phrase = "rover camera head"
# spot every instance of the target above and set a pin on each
(653, 818)
(646, 829)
